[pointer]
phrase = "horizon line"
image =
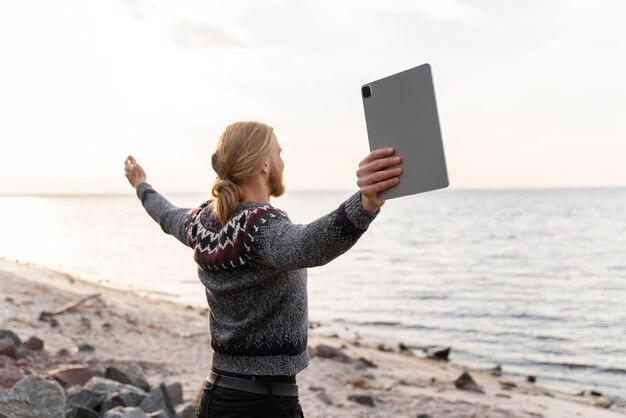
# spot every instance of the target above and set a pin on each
(315, 190)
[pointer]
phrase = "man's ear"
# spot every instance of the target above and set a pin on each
(266, 168)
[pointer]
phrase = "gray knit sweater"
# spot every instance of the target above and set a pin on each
(254, 272)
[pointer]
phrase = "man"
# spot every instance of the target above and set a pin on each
(252, 261)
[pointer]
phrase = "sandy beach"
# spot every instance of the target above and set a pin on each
(166, 342)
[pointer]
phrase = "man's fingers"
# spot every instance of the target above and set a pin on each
(130, 164)
(378, 176)
(377, 154)
(378, 187)
(377, 165)
(130, 161)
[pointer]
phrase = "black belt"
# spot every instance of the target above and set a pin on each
(252, 386)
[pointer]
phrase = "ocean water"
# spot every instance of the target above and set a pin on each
(534, 280)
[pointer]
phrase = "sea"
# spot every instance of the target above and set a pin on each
(533, 280)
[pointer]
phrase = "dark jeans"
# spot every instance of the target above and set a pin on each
(219, 402)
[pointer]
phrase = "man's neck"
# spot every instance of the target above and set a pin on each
(256, 190)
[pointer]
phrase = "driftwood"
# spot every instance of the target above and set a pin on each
(68, 307)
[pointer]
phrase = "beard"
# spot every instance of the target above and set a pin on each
(277, 187)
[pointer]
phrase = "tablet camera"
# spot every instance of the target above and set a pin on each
(366, 91)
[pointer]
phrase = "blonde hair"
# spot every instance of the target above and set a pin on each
(241, 151)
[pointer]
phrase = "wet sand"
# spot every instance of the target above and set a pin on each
(170, 343)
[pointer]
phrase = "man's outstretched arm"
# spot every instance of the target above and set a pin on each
(283, 245)
(172, 219)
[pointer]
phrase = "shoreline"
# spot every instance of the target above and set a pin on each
(171, 341)
(322, 329)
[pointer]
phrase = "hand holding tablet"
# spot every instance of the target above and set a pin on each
(401, 113)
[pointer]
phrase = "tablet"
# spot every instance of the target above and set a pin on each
(401, 113)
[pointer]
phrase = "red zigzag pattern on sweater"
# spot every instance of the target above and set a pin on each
(231, 246)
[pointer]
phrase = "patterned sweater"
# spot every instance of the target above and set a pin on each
(254, 272)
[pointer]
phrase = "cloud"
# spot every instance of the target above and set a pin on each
(450, 11)
(195, 34)
(137, 8)
(453, 11)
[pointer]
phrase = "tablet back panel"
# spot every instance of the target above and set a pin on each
(401, 112)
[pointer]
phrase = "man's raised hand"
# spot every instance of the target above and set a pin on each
(375, 175)
(133, 171)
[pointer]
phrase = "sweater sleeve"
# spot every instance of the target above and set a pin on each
(282, 245)
(173, 220)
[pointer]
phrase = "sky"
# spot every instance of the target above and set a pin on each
(530, 94)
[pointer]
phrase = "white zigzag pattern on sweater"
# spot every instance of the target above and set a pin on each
(208, 242)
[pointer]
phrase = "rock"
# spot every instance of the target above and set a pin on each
(531, 379)
(603, 403)
(187, 410)
(79, 397)
(4, 333)
(34, 344)
(128, 412)
(8, 348)
(466, 382)
(82, 413)
(10, 374)
(594, 393)
(158, 414)
(496, 371)
(439, 353)
(358, 383)
(362, 399)
(104, 385)
(507, 385)
(362, 362)
(86, 347)
(326, 351)
(383, 347)
(423, 416)
(323, 396)
(63, 352)
(128, 377)
(46, 317)
(175, 392)
(126, 396)
(69, 376)
(159, 400)
(85, 322)
(33, 396)
(108, 386)
(402, 347)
